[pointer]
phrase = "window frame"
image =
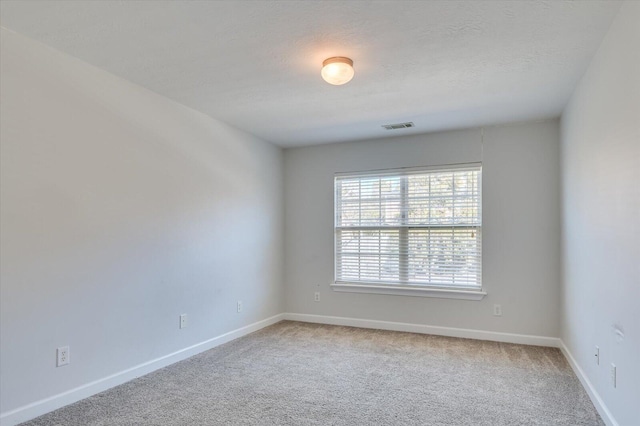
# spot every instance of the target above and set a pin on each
(407, 289)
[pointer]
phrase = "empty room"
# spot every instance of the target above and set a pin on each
(319, 212)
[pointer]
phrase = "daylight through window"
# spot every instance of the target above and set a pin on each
(410, 227)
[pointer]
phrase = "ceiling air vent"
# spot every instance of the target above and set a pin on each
(399, 125)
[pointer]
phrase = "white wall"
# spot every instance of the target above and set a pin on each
(601, 217)
(121, 210)
(521, 227)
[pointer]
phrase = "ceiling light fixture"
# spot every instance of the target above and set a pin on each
(337, 70)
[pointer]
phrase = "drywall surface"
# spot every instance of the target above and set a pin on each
(122, 210)
(521, 218)
(601, 219)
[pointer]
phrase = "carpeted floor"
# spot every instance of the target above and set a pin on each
(305, 374)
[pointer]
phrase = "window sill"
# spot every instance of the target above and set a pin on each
(444, 293)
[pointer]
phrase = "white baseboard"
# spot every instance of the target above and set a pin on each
(604, 412)
(466, 333)
(46, 405)
(38, 408)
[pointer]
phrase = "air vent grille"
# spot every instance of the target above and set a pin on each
(399, 125)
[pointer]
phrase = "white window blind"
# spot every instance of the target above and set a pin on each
(410, 227)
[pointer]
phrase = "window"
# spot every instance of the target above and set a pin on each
(412, 230)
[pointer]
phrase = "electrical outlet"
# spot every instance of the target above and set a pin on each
(63, 355)
(497, 310)
(597, 355)
(316, 296)
(183, 320)
(239, 306)
(613, 375)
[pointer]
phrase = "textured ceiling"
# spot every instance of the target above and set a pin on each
(256, 65)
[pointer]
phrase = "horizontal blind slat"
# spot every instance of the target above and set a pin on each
(427, 224)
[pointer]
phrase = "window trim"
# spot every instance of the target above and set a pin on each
(407, 289)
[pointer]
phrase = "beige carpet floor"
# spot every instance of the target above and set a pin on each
(305, 374)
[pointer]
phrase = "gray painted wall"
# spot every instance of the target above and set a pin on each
(601, 218)
(521, 227)
(178, 213)
(120, 211)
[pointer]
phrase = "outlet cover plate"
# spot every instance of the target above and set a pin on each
(63, 356)
(497, 310)
(183, 320)
(613, 375)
